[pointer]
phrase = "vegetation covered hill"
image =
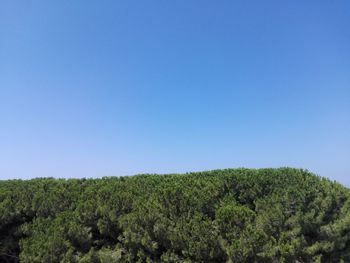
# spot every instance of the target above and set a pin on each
(234, 215)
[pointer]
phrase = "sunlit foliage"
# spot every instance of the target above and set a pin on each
(233, 215)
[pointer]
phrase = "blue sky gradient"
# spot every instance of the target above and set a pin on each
(97, 88)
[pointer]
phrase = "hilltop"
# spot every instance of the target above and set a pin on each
(232, 215)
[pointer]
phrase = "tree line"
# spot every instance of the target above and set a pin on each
(232, 215)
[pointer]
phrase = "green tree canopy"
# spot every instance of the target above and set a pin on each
(232, 215)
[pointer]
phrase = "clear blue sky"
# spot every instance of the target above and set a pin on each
(96, 88)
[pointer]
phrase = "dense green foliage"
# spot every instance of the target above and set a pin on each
(240, 215)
